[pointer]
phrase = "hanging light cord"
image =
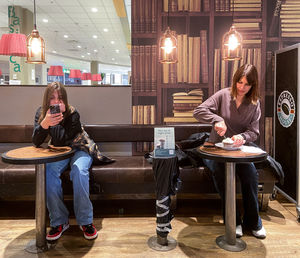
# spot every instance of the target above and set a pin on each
(34, 10)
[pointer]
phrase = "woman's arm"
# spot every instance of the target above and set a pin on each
(39, 133)
(64, 133)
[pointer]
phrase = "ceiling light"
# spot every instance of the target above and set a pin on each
(54, 51)
(45, 20)
(112, 42)
(82, 56)
(88, 53)
(79, 46)
(117, 51)
(105, 30)
(66, 36)
(13, 44)
(94, 10)
(95, 50)
(95, 36)
(35, 44)
(113, 59)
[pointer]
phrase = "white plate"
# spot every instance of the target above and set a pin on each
(221, 145)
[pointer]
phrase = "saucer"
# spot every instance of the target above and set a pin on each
(221, 145)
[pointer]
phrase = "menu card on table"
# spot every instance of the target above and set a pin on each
(164, 142)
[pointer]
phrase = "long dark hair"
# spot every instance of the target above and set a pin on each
(60, 88)
(251, 74)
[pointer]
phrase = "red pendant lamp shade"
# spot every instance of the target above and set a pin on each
(86, 76)
(56, 70)
(75, 73)
(13, 44)
(0, 72)
(96, 77)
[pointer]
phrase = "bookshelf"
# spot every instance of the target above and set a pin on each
(258, 21)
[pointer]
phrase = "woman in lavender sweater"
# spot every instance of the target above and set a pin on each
(235, 112)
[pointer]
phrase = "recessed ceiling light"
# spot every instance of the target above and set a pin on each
(66, 36)
(113, 59)
(45, 20)
(95, 36)
(79, 46)
(94, 10)
(54, 51)
(112, 42)
(105, 30)
(88, 53)
(117, 51)
(82, 56)
(95, 50)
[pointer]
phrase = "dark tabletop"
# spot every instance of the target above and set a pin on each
(33, 155)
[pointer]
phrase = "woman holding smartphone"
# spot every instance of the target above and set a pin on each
(62, 125)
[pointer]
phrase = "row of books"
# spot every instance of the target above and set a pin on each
(224, 70)
(238, 5)
(144, 65)
(143, 115)
(144, 16)
(270, 68)
(250, 29)
(192, 65)
(184, 104)
(186, 5)
(290, 19)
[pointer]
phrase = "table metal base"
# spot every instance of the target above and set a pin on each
(240, 245)
(32, 248)
(152, 243)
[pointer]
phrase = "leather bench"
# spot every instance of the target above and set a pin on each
(130, 177)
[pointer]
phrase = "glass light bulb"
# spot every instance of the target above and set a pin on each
(168, 45)
(232, 42)
(36, 46)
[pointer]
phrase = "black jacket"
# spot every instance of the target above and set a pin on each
(61, 134)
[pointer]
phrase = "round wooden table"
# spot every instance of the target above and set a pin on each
(229, 241)
(39, 157)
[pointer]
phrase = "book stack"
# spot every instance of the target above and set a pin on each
(186, 5)
(250, 29)
(144, 16)
(238, 5)
(143, 115)
(192, 65)
(290, 19)
(184, 104)
(144, 62)
(224, 70)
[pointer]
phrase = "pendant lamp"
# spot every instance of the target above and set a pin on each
(168, 46)
(0, 72)
(75, 73)
(232, 43)
(35, 45)
(13, 44)
(56, 70)
(96, 77)
(86, 76)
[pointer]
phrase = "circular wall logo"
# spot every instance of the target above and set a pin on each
(286, 109)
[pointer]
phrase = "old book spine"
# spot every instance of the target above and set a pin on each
(153, 15)
(180, 59)
(141, 68)
(185, 58)
(204, 56)
(196, 60)
(190, 66)
(153, 68)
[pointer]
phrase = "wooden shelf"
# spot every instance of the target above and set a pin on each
(144, 94)
(183, 85)
(185, 14)
(144, 35)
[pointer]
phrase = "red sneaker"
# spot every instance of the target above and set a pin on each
(89, 231)
(56, 232)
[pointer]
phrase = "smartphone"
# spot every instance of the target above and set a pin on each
(54, 109)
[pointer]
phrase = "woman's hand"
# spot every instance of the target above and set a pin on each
(238, 140)
(51, 119)
(220, 128)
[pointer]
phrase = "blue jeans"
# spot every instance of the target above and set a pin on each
(248, 176)
(79, 175)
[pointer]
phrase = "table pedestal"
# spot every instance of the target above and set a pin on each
(229, 241)
(40, 243)
(171, 244)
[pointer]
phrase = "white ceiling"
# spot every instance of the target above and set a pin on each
(75, 19)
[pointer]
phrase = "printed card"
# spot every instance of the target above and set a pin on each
(164, 142)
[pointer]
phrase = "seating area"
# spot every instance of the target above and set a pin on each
(130, 177)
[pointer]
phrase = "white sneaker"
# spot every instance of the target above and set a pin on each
(261, 233)
(239, 231)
